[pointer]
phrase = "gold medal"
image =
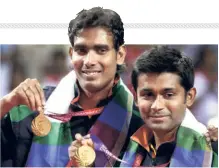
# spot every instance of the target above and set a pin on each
(85, 156)
(41, 126)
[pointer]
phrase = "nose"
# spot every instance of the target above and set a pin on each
(158, 104)
(89, 59)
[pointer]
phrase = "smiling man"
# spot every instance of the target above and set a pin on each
(163, 80)
(91, 99)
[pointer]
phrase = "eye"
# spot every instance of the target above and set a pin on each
(168, 95)
(148, 95)
(81, 51)
(101, 50)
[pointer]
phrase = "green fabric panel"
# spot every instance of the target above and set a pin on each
(133, 146)
(122, 97)
(215, 160)
(191, 140)
(18, 113)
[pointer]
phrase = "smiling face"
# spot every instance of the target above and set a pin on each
(162, 100)
(94, 58)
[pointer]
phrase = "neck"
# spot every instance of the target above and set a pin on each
(90, 100)
(162, 137)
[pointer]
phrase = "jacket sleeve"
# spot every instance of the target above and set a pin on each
(16, 134)
(8, 141)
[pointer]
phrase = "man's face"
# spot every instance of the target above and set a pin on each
(161, 100)
(94, 58)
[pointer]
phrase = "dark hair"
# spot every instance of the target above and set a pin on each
(98, 17)
(164, 59)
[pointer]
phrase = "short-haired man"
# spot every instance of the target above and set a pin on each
(163, 80)
(90, 99)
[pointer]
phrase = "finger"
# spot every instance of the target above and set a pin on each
(40, 91)
(72, 149)
(215, 134)
(207, 134)
(72, 152)
(78, 137)
(26, 81)
(90, 143)
(87, 142)
(23, 97)
(208, 139)
(210, 127)
(24, 86)
(32, 93)
(87, 136)
(31, 99)
(38, 102)
(84, 142)
(76, 144)
(215, 131)
(214, 128)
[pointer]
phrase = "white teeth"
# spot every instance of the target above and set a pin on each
(91, 73)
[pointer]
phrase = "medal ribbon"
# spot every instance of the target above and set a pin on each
(109, 155)
(66, 117)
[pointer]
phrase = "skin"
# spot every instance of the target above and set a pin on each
(94, 59)
(162, 102)
(29, 93)
(80, 141)
(212, 133)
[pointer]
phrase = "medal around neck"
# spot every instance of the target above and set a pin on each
(41, 126)
(85, 156)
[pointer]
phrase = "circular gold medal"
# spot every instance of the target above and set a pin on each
(41, 126)
(85, 156)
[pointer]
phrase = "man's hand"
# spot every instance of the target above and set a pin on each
(80, 141)
(212, 134)
(27, 93)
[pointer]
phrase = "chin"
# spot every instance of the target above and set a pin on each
(158, 127)
(92, 86)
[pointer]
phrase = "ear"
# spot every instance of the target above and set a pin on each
(135, 96)
(121, 54)
(70, 51)
(190, 97)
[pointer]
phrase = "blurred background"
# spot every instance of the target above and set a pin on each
(49, 63)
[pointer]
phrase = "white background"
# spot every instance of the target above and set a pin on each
(140, 11)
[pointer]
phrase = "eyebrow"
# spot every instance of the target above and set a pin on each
(168, 89)
(145, 90)
(150, 90)
(96, 46)
(80, 46)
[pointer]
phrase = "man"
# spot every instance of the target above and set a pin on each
(163, 80)
(93, 93)
(91, 99)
